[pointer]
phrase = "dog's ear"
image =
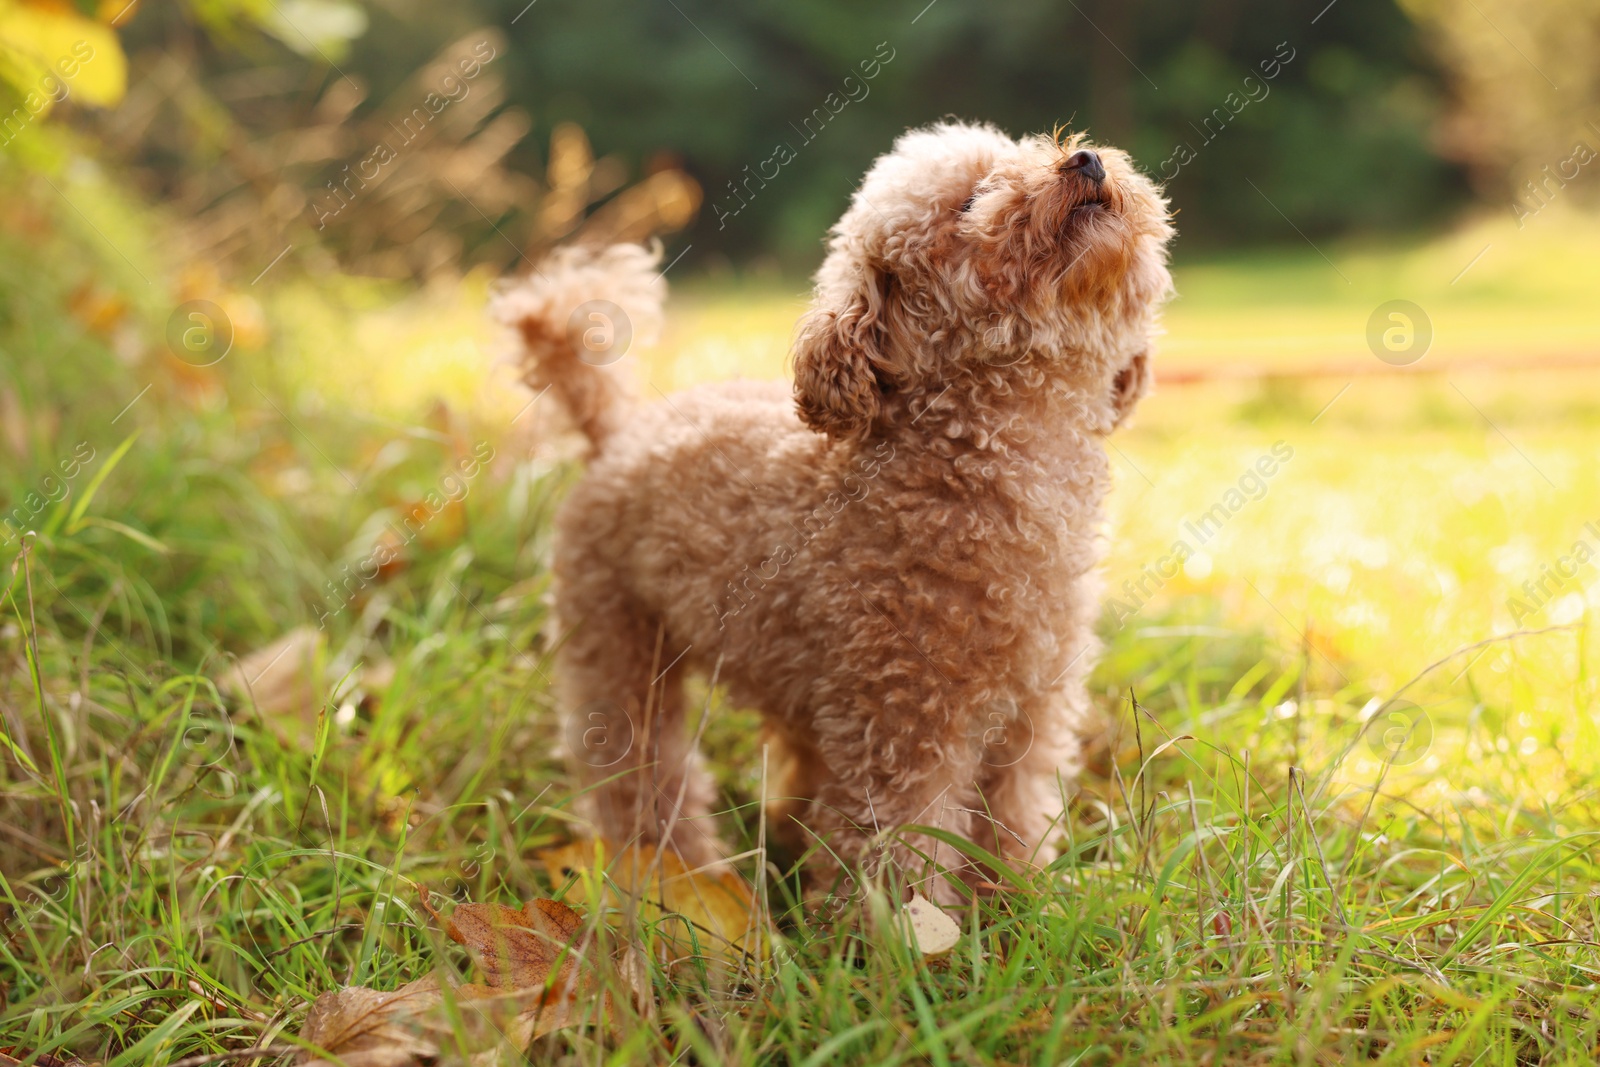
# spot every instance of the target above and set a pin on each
(1131, 383)
(840, 359)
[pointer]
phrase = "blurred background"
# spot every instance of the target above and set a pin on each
(245, 247)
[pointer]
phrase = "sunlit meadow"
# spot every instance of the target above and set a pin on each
(1347, 814)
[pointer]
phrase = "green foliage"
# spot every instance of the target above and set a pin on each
(1330, 121)
(1339, 143)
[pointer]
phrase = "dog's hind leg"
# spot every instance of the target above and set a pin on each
(622, 704)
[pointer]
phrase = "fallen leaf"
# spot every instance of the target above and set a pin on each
(8, 1058)
(717, 903)
(521, 1016)
(415, 1027)
(530, 958)
(635, 972)
(366, 1028)
(100, 311)
(519, 949)
(534, 953)
(929, 928)
(280, 678)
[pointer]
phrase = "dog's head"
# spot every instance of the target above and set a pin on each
(964, 248)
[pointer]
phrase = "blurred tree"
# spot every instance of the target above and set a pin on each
(1526, 85)
(1340, 143)
(269, 139)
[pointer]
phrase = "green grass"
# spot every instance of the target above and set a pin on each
(1250, 875)
(182, 879)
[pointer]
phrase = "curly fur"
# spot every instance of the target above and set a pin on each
(896, 563)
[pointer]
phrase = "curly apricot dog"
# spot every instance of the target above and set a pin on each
(895, 564)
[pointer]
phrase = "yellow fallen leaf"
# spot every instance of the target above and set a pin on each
(717, 904)
(929, 928)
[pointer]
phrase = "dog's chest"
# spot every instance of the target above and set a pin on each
(996, 546)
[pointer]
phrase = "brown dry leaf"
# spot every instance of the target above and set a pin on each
(9, 1054)
(717, 903)
(523, 1015)
(281, 678)
(635, 972)
(532, 954)
(519, 949)
(930, 929)
(530, 960)
(366, 1028)
(415, 1027)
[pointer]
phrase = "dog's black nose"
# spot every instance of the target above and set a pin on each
(1087, 163)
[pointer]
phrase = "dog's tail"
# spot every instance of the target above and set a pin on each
(578, 313)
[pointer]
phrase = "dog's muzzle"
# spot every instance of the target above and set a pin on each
(1086, 163)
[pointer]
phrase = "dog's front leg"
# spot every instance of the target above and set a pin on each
(869, 788)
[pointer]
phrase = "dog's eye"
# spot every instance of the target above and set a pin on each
(967, 206)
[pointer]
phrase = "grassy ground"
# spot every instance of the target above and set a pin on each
(1272, 861)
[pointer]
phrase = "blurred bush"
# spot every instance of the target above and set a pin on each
(1340, 141)
(401, 137)
(262, 148)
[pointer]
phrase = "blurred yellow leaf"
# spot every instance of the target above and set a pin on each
(716, 903)
(100, 310)
(50, 53)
